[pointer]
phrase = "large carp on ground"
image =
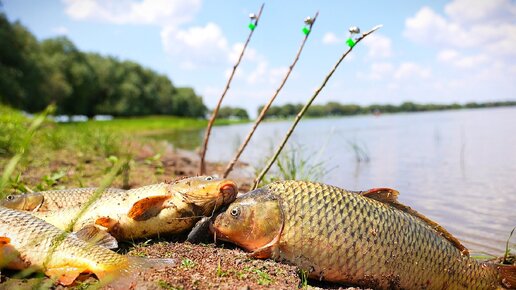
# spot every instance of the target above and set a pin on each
(164, 208)
(362, 238)
(51, 200)
(26, 241)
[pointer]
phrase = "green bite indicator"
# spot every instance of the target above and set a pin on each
(350, 42)
(306, 31)
(252, 26)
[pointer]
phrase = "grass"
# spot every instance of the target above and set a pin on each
(221, 273)
(187, 263)
(148, 123)
(360, 151)
(296, 163)
(165, 285)
(508, 249)
(303, 276)
(263, 277)
(72, 153)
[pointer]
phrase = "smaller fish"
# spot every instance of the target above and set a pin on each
(52, 199)
(26, 241)
(164, 208)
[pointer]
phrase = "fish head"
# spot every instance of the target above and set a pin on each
(28, 201)
(254, 221)
(207, 191)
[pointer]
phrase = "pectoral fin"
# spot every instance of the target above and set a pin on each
(64, 275)
(148, 207)
(4, 241)
(97, 236)
(106, 222)
(10, 257)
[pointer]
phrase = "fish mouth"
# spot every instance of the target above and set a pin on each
(229, 190)
(217, 235)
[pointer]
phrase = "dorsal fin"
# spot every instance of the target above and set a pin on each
(390, 196)
(383, 194)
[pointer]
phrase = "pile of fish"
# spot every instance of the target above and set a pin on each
(363, 238)
(33, 227)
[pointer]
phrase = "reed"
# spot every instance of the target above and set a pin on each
(311, 22)
(307, 105)
(202, 166)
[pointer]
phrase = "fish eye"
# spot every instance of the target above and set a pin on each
(10, 197)
(235, 211)
(208, 178)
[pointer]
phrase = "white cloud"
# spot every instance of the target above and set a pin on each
(249, 55)
(408, 70)
(447, 55)
(196, 46)
(60, 30)
(467, 29)
(452, 57)
(379, 46)
(474, 11)
(156, 12)
(473, 36)
(331, 38)
(378, 71)
(395, 73)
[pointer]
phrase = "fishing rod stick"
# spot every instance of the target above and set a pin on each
(351, 43)
(306, 30)
(252, 26)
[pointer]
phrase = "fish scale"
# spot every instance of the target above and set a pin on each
(415, 251)
(34, 239)
(53, 199)
(179, 206)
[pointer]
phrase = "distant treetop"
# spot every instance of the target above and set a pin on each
(36, 73)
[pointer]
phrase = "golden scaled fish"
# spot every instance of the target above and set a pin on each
(52, 199)
(26, 241)
(363, 238)
(164, 208)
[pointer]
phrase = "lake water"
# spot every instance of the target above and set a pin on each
(456, 167)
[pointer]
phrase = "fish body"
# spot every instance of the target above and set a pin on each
(52, 199)
(28, 241)
(362, 238)
(164, 208)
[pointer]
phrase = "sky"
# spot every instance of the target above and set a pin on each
(426, 51)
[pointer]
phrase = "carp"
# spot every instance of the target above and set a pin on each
(52, 199)
(26, 241)
(363, 238)
(164, 208)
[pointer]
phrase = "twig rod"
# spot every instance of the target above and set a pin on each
(202, 167)
(268, 105)
(306, 106)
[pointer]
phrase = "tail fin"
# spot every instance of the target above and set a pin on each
(507, 276)
(127, 277)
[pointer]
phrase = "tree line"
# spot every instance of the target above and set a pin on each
(35, 73)
(337, 109)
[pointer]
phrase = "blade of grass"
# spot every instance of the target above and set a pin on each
(307, 105)
(268, 105)
(202, 166)
(13, 162)
(507, 250)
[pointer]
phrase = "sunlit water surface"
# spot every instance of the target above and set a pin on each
(456, 167)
